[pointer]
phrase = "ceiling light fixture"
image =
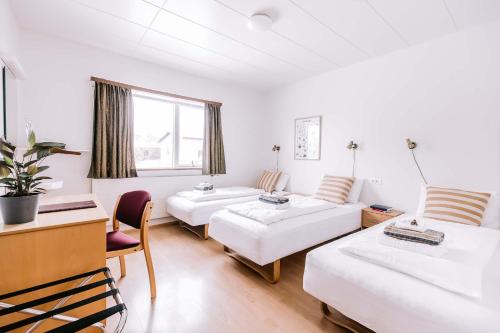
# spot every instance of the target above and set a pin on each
(260, 22)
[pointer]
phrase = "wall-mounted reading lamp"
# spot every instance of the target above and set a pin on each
(412, 145)
(277, 148)
(353, 146)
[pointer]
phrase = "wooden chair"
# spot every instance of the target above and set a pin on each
(134, 209)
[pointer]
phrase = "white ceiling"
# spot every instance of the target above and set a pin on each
(210, 37)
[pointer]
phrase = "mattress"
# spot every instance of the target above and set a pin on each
(198, 213)
(264, 244)
(388, 301)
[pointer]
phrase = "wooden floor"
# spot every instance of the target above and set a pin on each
(200, 289)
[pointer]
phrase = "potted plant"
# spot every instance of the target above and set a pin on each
(20, 176)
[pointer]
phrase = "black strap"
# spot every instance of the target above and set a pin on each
(53, 283)
(54, 312)
(89, 320)
(53, 297)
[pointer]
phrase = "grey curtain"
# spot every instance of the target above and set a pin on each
(214, 162)
(113, 144)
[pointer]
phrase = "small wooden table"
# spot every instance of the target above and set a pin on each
(54, 246)
(371, 217)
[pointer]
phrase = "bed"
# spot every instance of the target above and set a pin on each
(365, 296)
(194, 214)
(261, 246)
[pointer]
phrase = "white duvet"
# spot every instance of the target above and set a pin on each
(267, 213)
(220, 193)
(459, 270)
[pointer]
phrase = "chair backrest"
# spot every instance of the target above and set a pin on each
(131, 207)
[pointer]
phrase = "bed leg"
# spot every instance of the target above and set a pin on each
(199, 230)
(276, 271)
(339, 319)
(205, 231)
(271, 273)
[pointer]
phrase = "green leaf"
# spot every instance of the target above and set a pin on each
(27, 164)
(6, 144)
(50, 144)
(8, 161)
(24, 175)
(6, 153)
(41, 178)
(41, 169)
(35, 184)
(31, 151)
(31, 139)
(43, 153)
(4, 172)
(5, 164)
(32, 169)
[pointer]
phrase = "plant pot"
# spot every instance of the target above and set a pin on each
(16, 210)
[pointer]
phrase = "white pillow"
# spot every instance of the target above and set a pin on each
(281, 183)
(421, 201)
(491, 217)
(355, 192)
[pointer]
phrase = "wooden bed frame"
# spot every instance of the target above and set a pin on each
(339, 319)
(271, 272)
(199, 230)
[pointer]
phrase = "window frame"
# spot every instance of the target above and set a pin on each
(167, 171)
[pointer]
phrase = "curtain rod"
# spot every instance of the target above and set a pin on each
(124, 85)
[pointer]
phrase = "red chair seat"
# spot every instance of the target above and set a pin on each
(117, 240)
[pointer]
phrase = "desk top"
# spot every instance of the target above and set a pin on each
(59, 219)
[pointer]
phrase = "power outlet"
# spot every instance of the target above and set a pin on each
(376, 181)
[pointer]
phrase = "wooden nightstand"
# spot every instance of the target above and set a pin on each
(371, 217)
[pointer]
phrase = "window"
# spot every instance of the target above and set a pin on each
(168, 133)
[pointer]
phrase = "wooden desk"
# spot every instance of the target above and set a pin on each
(54, 246)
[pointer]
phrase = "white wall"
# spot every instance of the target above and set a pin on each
(9, 32)
(57, 97)
(9, 47)
(444, 94)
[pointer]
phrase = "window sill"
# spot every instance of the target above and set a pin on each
(168, 169)
(169, 172)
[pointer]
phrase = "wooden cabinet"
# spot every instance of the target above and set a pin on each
(54, 246)
(371, 217)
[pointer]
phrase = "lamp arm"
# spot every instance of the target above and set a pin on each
(353, 161)
(418, 166)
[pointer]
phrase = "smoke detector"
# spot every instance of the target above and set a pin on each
(260, 22)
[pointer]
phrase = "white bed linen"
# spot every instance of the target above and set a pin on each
(388, 301)
(264, 244)
(460, 270)
(268, 213)
(198, 213)
(220, 193)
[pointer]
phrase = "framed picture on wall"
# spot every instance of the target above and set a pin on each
(308, 138)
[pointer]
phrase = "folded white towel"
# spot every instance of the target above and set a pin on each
(285, 205)
(268, 213)
(407, 224)
(220, 193)
(425, 249)
(205, 192)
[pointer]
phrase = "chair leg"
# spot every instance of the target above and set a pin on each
(151, 272)
(123, 268)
